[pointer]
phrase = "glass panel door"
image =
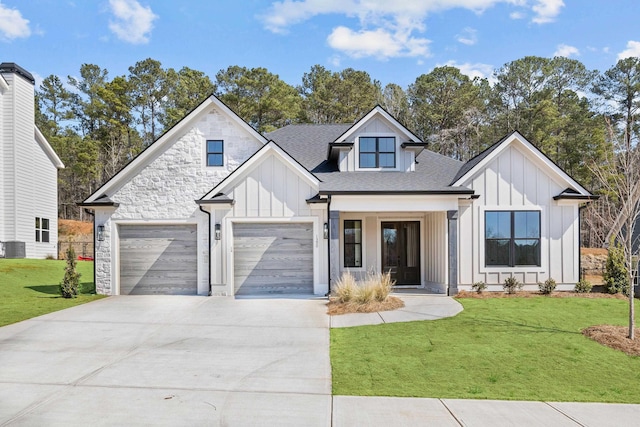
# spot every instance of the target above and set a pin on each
(401, 251)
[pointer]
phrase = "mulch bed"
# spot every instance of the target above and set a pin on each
(615, 337)
(529, 294)
(391, 303)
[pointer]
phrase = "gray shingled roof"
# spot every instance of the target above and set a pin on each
(308, 145)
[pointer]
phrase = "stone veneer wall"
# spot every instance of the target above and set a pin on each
(167, 188)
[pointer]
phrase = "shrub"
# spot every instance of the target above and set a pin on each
(547, 287)
(50, 257)
(511, 285)
(345, 287)
(479, 287)
(70, 284)
(583, 287)
(616, 278)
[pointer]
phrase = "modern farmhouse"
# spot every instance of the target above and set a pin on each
(28, 172)
(214, 207)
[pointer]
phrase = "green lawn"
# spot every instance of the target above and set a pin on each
(29, 288)
(510, 349)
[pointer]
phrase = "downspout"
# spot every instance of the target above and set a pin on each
(580, 208)
(93, 216)
(329, 246)
(209, 248)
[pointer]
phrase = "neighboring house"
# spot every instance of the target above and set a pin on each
(215, 207)
(28, 172)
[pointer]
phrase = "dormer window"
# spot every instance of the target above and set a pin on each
(377, 152)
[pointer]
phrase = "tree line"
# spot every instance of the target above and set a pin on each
(574, 115)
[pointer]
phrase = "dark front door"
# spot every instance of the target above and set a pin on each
(401, 251)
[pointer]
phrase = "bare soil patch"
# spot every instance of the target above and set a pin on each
(70, 227)
(391, 303)
(593, 251)
(529, 294)
(615, 337)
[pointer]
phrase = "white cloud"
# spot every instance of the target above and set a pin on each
(12, 24)
(133, 22)
(633, 49)
(483, 71)
(547, 10)
(378, 43)
(566, 51)
(516, 15)
(398, 22)
(469, 36)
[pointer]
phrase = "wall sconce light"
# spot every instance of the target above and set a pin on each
(101, 233)
(217, 232)
(325, 230)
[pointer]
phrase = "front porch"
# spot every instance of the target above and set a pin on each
(413, 246)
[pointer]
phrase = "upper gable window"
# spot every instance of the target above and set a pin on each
(377, 152)
(215, 153)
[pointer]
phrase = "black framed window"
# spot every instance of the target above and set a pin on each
(42, 230)
(215, 153)
(377, 152)
(353, 243)
(512, 238)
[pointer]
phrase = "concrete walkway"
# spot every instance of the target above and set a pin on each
(202, 361)
(416, 307)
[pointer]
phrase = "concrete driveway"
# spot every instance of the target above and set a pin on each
(167, 360)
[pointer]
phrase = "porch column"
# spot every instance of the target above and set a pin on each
(452, 223)
(334, 247)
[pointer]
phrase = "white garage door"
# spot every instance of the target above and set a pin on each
(158, 259)
(273, 258)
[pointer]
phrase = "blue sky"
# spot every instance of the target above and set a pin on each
(395, 41)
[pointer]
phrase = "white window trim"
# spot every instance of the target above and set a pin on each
(544, 241)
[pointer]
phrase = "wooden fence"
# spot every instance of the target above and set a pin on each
(83, 248)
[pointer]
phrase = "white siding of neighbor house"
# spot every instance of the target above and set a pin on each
(515, 181)
(28, 181)
(377, 127)
(164, 192)
(271, 191)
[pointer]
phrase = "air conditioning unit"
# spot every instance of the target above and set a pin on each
(14, 250)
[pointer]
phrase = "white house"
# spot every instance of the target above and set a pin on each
(28, 172)
(213, 207)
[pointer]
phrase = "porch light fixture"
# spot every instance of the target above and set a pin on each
(217, 232)
(101, 233)
(325, 230)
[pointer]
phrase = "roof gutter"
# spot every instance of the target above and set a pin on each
(396, 193)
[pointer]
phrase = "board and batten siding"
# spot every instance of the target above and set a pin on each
(377, 127)
(515, 181)
(272, 191)
(436, 254)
